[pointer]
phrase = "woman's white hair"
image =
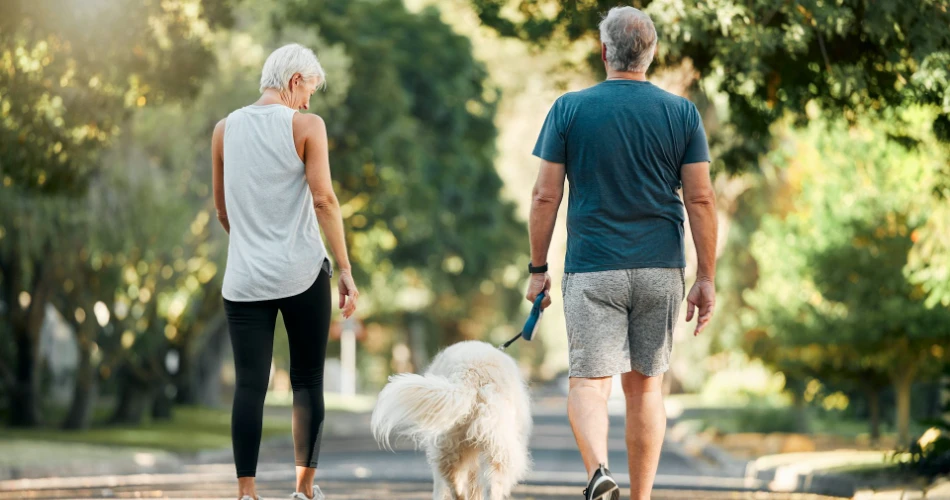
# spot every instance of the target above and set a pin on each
(284, 62)
(630, 38)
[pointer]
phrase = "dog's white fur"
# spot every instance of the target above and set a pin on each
(470, 412)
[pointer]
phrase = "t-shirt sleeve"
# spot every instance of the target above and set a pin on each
(551, 145)
(697, 149)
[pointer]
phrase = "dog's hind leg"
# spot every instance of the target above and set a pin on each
(458, 470)
(441, 490)
(497, 478)
(503, 441)
(466, 477)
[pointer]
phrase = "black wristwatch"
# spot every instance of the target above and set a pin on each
(538, 270)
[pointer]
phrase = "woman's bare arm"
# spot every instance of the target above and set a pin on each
(217, 174)
(325, 203)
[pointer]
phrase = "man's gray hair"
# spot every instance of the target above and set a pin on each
(281, 65)
(630, 38)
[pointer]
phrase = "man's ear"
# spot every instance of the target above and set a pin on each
(603, 52)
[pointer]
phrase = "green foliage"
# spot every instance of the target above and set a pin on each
(852, 57)
(412, 151)
(835, 262)
(758, 419)
(833, 300)
(120, 230)
(65, 88)
(929, 261)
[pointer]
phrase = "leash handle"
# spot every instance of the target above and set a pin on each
(534, 318)
(531, 325)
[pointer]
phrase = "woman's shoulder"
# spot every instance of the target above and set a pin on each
(219, 129)
(308, 125)
(308, 120)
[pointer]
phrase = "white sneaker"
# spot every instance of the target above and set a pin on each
(248, 497)
(317, 495)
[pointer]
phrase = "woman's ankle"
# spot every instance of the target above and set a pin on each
(247, 487)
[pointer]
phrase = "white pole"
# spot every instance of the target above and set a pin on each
(348, 358)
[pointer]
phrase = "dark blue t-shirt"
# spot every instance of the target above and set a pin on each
(623, 143)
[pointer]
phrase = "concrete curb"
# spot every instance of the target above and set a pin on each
(793, 479)
(796, 477)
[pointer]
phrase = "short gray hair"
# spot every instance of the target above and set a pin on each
(630, 38)
(281, 65)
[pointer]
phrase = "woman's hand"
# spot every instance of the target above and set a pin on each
(347, 290)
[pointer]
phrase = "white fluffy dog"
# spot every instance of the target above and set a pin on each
(470, 412)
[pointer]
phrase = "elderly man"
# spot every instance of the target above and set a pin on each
(626, 147)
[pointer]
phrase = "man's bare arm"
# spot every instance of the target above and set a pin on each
(700, 201)
(545, 202)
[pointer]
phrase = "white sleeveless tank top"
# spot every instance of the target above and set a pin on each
(275, 249)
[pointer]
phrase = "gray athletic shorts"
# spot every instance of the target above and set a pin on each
(622, 320)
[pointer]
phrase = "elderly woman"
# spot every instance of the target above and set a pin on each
(273, 193)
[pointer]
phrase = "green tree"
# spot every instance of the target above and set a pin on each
(832, 299)
(412, 150)
(770, 59)
(65, 93)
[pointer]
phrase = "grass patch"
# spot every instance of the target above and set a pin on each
(190, 429)
(871, 471)
(784, 419)
(748, 419)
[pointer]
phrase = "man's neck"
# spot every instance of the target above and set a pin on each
(626, 75)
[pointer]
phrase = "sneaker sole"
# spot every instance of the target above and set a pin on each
(611, 494)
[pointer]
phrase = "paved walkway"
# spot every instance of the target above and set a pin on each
(362, 490)
(353, 467)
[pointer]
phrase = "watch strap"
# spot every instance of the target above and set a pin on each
(539, 269)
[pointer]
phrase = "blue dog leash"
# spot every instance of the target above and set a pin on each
(531, 325)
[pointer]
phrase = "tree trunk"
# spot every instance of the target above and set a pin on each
(24, 405)
(902, 390)
(945, 397)
(199, 376)
(135, 398)
(26, 324)
(186, 390)
(874, 407)
(797, 386)
(85, 391)
(208, 384)
(163, 403)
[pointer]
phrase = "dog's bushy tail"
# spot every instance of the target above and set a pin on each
(420, 408)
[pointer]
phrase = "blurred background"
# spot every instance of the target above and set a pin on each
(829, 124)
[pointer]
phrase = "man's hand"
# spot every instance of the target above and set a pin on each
(703, 296)
(537, 284)
(347, 290)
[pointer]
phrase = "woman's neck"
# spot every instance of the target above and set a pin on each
(271, 96)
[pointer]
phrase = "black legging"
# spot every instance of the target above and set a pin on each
(251, 325)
